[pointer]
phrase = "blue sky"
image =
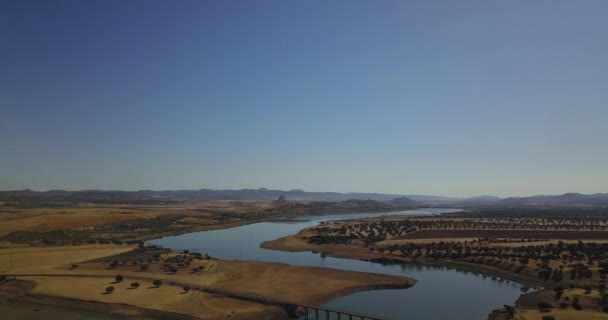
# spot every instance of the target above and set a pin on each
(430, 97)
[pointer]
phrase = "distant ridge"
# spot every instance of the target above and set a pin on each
(566, 199)
(404, 201)
(167, 196)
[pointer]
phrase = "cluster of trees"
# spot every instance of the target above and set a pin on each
(575, 261)
(375, 231)
(134, 285)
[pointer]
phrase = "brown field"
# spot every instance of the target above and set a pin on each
(43, 219)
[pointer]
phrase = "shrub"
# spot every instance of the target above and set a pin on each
(157, 283)
(186, 289)
(134, 284)
(109, 289)
(548, 318)
(119, 278)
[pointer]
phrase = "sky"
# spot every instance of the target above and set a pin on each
(454, 98)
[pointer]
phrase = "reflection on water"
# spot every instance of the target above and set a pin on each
(441, 292)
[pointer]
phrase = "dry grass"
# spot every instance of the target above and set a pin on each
(166, 298)
(43, 219)
(41, 259)
(314, 285)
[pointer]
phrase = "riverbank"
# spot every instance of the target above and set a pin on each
(293, 243)
(234, 224)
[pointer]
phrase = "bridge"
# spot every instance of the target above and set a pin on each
(310, 312)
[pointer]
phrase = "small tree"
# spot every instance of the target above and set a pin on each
(109, 289)
(544, 306)
(119, 278)
(157, 283)
(134, 285)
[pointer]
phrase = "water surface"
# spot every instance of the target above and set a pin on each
(441, 293)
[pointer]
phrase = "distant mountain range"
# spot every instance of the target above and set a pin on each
(167, 196)
(566, 199)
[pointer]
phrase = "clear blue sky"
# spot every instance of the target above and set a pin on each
(430, 97)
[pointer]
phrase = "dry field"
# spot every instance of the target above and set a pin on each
(44, 219)
(52, 270)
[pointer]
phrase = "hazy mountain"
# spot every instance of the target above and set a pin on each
(566, 199)
(482, 198)
(404, 202)
(170, 196)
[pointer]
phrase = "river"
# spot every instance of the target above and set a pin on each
(441, 292)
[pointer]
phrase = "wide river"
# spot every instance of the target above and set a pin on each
(441, 293)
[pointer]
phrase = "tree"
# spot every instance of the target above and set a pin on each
(109, 289)
(157, 283)
(119, 278)
(135, 285)
(543, 305)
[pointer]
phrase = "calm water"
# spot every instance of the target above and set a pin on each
(441, 293)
